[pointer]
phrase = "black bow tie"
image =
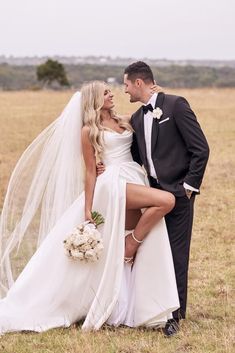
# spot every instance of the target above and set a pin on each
(146, 108)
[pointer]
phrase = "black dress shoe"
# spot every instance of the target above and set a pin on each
(172, 327)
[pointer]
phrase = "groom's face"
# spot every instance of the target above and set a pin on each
(132, 88)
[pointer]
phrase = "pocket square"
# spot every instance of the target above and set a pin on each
(162, 121)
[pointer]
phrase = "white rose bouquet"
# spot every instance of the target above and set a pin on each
(85, 242)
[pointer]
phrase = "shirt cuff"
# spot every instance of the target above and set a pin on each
(188, 187)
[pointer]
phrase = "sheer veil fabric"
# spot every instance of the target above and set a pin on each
(46, 180)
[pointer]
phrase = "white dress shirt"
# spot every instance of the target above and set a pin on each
(148, 122)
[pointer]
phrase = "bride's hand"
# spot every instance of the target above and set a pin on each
(88, 216)
(156, 88)
(100, 168)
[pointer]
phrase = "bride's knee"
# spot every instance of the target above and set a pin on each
(168, 202)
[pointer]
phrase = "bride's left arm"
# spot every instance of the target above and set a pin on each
(156, 89)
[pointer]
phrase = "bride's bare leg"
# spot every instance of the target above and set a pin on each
(132, 218)
(157, 203)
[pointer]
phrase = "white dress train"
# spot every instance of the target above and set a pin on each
(54, 291)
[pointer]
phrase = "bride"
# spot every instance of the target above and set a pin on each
(133, 282)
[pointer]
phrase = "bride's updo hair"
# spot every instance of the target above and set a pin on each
(92, 101)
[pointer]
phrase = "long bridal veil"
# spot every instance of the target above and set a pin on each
(45, 182)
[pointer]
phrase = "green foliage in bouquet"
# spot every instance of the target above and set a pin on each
(97, 218)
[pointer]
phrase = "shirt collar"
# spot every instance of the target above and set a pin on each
(152, 100)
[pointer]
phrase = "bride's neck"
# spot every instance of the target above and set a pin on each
(105, 115)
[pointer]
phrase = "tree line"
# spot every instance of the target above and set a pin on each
(33, 77)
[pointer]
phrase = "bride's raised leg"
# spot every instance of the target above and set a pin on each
(157, 204)
(132, 218)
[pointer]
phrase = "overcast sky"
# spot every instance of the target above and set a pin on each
(171, 29)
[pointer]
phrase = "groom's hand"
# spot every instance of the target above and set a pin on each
(188, 193)
(100, 168)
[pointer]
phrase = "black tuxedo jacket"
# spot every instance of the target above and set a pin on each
(179, 148)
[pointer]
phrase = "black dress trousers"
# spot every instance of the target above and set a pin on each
(179, 224)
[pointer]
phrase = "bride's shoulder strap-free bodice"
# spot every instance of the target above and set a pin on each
(117, 146)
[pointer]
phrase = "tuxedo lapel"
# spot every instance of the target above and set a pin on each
(155, 125)
(139, 131)
(142, 134)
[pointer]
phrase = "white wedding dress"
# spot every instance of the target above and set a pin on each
(55, 291)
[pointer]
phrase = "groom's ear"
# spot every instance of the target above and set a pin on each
(138, 82)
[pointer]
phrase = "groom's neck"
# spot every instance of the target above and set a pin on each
(146, 94)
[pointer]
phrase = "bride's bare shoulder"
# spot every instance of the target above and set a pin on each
(126, 118)
(85, 134)
(85, 130)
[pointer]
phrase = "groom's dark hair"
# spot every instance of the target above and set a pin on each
(141, 70)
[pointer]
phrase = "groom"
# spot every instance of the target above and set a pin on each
(170, 144)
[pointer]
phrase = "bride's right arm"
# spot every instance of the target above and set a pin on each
(90, 175)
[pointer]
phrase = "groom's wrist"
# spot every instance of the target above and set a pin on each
(189, 187)
(188, 193)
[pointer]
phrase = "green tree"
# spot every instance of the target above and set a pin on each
(52, 71)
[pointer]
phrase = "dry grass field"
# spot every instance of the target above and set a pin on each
(210, 323)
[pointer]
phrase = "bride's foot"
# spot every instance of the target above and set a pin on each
(131, 247)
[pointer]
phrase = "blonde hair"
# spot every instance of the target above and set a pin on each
(92, 101)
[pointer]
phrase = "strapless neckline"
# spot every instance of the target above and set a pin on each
(115, 132)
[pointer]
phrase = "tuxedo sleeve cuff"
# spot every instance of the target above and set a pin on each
(189, 187)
